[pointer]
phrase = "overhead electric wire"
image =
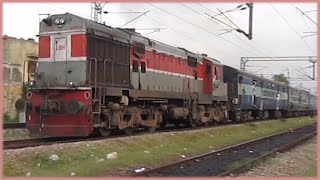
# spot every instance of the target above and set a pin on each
(170, 28)
(220, 21)
(236, 35)
(195, 11)
(292, 28)
(303, 13)
(213, 21)
(182, 19)
(218, 24)
(135, 18)
(228, 19)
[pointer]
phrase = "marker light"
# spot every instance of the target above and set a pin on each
(59, 21)
(32, 83)
(71, 83)
(62, 20)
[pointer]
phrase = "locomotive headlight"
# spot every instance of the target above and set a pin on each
(61, 21)
(32, 83)
(235, 101)
(71, 83)
(57, 21)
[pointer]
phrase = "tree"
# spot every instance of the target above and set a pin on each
(280, 78)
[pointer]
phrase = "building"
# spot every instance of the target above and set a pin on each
(15, 52)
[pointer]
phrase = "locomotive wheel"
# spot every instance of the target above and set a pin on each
(260, 114)
(152, 129)
(206, 123)
(129, 131)
(191, 122)
(163, 124)
(105, 132)
(176, 125)
(238, 116)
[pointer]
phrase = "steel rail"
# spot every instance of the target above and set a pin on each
(220, 151)
(247, 165)
(14, 125)
(23, 143)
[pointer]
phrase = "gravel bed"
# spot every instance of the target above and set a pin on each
(292, 163)
(218, 163)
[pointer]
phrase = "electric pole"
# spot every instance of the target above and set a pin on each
(96, 11)
(250, 5)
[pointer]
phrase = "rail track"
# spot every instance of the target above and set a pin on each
(236, 159)
(14, 125)
(23, 143)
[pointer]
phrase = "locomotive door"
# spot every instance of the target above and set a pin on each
(135, 74)
(60, 57)
(143, 74)
(60, 51)
(139, 70)
(207, 80)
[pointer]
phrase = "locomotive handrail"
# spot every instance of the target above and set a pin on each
(95, 73)
(23, 73)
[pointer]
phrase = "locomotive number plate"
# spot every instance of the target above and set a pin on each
(60, 51)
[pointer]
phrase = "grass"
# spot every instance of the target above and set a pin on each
(311, 158)
(312, 172)
(8, 119)
(81, 158)
(15, 134)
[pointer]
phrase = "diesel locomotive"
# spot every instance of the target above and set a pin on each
(91, 77)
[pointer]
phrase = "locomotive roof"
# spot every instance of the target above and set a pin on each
(257, 77)
(268, 80)
(125, 35)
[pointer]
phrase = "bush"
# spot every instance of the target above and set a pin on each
(8, 119)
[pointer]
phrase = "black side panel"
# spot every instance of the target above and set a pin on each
(113, 62)
(230, 76)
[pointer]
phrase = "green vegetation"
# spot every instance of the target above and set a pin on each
(82, 158)
(281, 78)
(15, 134)
(312, 172)
(8, 119)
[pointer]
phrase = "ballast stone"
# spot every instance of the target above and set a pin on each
(54, 157)
(113, 155)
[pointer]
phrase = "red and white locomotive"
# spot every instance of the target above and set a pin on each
(90, 76)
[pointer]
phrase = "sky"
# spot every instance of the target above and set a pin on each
(278, 30)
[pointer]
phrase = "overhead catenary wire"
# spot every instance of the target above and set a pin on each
(292, 28)
(303, 13)
(236, 35)
(199, 27)
(170, 28)
(220, 25)
(228, 18)
(134, 18)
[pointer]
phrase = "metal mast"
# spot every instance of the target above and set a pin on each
(96, 11)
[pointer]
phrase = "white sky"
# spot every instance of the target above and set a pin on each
(278, 29)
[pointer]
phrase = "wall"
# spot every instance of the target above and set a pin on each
(15, 52)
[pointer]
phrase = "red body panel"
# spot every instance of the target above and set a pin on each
(78, 45)
(59, 124)
(165, 62)
(207, 80)
(44, 46)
